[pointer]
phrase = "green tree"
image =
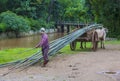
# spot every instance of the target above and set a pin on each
(3, 5)
(108, 13)
(72, 10)
(14, 23)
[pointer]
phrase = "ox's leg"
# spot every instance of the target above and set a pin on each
(104, 41)
(81, 45)
(103, 45)
(85, 45)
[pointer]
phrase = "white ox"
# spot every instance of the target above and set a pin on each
(102, 35)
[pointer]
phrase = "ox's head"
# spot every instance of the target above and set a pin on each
(106, 30)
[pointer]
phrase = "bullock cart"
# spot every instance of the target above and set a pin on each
(89, 36)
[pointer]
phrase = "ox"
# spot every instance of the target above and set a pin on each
(102, 36)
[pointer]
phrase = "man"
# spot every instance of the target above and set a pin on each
(45, 46)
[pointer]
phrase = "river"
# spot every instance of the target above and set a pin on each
(30, 41)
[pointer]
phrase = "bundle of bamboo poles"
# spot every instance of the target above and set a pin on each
(55, 46)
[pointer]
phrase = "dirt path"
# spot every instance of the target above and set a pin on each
(85, 66)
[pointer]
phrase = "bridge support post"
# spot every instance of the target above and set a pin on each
(56, 27)
(62, 28)
(68, 28)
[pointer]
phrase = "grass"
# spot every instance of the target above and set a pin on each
(67, 50)
(113, 42)
(8, 55)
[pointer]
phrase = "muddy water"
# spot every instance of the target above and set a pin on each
(30, 41)
(113, 74)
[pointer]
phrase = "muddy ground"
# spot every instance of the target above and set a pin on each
(103, 65)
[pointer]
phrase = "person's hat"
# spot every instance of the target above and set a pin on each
(42, 29)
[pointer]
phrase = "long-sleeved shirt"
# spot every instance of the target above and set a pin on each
(44, 43)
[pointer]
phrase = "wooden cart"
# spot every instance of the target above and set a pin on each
(90, 36)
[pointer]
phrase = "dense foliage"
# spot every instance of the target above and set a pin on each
(107, 12)
(45, 13)
(13, 23)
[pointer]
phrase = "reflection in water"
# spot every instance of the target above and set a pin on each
(30, 41)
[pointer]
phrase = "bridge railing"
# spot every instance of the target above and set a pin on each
(73, 23)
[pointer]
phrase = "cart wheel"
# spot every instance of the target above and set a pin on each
(73, 45)
(95, 41)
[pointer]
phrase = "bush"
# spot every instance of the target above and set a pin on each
(118, 37)
(43, 23)
(34, 24)
(14, 22)
(2, 27)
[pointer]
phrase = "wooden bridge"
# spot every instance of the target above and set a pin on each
(68, 24)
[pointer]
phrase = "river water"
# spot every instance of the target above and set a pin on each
(30, 41)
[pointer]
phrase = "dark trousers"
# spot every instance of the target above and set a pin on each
(45, 53)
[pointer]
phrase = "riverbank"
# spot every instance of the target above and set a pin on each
(24, 34)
